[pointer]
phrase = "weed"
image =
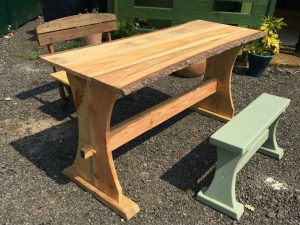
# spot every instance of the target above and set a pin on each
(68, 45)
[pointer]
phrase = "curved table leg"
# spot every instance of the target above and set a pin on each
(219, 105)
(97, 173)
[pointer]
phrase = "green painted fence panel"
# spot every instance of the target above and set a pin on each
(16, 13)
(21, 12)
(246, 13)
(260, 9)
(4, 18)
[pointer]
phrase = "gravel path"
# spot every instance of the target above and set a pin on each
(162, 170)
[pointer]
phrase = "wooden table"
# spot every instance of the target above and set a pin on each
(97, 74)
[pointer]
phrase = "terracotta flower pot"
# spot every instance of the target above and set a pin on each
(194, 70)
(94, 39)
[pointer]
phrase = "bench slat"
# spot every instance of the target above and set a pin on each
(61, 76)
(239, 133)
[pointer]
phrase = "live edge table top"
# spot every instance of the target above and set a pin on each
(128, 64)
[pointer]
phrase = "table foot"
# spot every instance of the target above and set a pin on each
(211, 114)
(220, 104)
(126, 208)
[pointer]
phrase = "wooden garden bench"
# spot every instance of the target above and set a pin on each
(98, 74)
(252, 130)
(73, 27)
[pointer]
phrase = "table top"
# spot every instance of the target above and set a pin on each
(129, 64)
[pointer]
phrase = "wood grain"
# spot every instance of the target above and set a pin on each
(126, 208)
(96, 74)
(101, 103)
(76, 32)
(75, 21)
(61, 76)
(84, 167)
(219, 105)
(97, 173)
(129, 64)
(68, 28)
(137, 125)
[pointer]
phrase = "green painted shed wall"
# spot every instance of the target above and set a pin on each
(16, 13)
(153, 13)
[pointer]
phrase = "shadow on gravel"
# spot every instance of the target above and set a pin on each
(55, 109)
(240, 71)
(54, 149)
(51, 150)
(32, 93)
(33, 36)
(195, 170)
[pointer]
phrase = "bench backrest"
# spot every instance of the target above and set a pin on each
(240, 133)
(76, 26)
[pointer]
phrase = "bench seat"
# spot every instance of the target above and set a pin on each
(250, 131)
(61, 76)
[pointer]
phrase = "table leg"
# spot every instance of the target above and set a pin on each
(219, 105)
(97, 173)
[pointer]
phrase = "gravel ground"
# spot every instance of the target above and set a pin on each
(162, 170)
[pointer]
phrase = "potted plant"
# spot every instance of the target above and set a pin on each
(125, 29)
(262, 51)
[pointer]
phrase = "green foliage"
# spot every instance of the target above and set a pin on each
(93, 10)
(68, 45)
(268, 45)
(125, 29)
(33, 55)
(10, 29)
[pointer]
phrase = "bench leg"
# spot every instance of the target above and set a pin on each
(62, 93)
(220, 104)
(97, 173)
(65, 93)
(220, 195)
(270, 147)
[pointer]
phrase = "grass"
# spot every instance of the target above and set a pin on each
(34, 55)
(68, 45)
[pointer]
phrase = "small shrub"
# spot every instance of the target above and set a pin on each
(269, 44)
(68, 45)
(33, 55)
(125, 29)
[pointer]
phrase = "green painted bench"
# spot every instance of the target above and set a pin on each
(252, 130)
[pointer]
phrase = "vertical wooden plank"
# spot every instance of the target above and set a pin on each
(108, 36)
(97, 173)
(246, 8)
(4, 18)
(83, 167)
(111, 6)
(51, 50)
(219, 105)
(100, 105)
(271, 9)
